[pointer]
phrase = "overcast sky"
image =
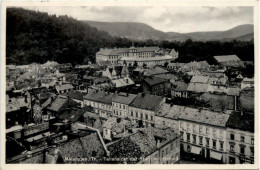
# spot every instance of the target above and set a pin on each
(167, 19)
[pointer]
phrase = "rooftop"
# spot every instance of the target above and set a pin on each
(100, 96)
(199, 79)
(147, 102)
(244, 122)
(154, 80)
(124, 98)
(225, 58)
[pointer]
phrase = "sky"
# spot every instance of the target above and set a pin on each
(167, 19)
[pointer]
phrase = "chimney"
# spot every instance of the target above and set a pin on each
(158, 143)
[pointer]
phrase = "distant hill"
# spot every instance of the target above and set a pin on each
(135, 31)
(141, 31)
(233, 33)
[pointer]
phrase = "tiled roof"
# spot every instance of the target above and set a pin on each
(124, 98)
(240, 121)
(154, 80)
(233, 91)
(225, 58)
(199, 79)
(74, 95)
(238, 63)
(73, 115)
(198, 88)
(219, 80)
(12, 105)
(58, 103)
(64, 87)
(117, 125)
(122, 82)
(168, 111)
(180, 86)
(147, 102)
(204, 116)
(99, 96)
(171, 77)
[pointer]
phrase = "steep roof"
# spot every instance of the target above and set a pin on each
(180, 86)
(243, 122)
(225, 58)
(199, 79)
(154, 80)
(147, 101)
(198, 88)
(122, 82)
(58, 103)
(124, 98)
(74, 94)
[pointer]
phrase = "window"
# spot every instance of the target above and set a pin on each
(201, 138)
(232, 136)
(232, 148)
(194, 128)
(251, 151)
(214, 144)
(188, 127)
(188, 148)
(188, 137)
(162, 153)
(242, 150)
(242, 138)
(252, 141)
(221, 145)
(166, 151)
(136, 114)
(207, 130)
(171, 147)
(141, 115)
(207, 141)
(200, 127)
(146, 116)
(214, 132)
(194, 139)
(163, 123)
(181, 132)
(132, 113)
(151, 118)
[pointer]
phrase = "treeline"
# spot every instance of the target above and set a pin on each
(38, 37)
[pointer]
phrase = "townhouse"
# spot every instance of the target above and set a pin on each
(203, 134)
(121, 103)
(143, 108)
(240, 138)
(101, 102)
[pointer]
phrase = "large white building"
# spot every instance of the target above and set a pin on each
(148, 55)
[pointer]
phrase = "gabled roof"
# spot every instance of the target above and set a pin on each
(147, 102)
(58, 103)
(122, 82)
(154, 80)
(73, 115)
(244, 122)
(199, 79)
(198, 88)
(225, 58)
(74, 94)
(180, 86)
(124, 98)
(117, 125)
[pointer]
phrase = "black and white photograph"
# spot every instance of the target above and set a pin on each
(129, 84)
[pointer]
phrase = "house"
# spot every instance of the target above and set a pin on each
(167, 116)
(240, 138)
(63, 88)
(147, 146)
(77, 96)
(59, 105)
(247, 82)
(175, 66)
(197, 88)
(154, 85)
(101, 102)
(199, 79)
(113, 127)
(143, 108)
(179, 89)
(120, 104)
(203, 134)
